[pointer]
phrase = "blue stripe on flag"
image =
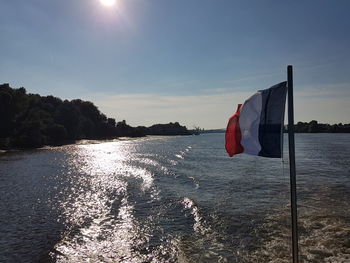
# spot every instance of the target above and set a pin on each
(271, 120)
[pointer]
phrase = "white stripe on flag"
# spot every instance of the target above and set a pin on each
(249, 122)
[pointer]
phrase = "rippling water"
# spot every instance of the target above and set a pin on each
(173, 199)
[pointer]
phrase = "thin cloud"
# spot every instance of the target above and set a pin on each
(208, 111)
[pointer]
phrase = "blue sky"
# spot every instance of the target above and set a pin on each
(192, 61)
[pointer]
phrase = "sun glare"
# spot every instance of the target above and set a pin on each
(108, 2)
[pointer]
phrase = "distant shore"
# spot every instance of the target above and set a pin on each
(305, 127)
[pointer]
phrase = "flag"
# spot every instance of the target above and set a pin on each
(257, 126)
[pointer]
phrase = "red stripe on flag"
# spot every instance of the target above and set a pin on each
(233, 134)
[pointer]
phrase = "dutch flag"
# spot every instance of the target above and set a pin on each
(257, 127)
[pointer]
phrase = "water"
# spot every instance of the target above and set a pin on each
(173, 199)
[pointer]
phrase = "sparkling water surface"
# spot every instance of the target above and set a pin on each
(173, 199)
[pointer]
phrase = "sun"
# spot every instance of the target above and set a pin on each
(108, 2)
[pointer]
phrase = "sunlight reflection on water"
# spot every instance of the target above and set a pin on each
(98, 208)
(115, 183)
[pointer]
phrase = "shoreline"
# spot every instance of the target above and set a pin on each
(77, 142)
(86, 142)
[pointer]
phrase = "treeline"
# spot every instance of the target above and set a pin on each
(315, 127)
(213, 131)
(31, 120)
(306, 127)
(168, 129)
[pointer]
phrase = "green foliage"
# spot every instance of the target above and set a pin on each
(168, 129)
(56, 133)
(315, 127)
(30, 120)
(30, 135)
(7, 107)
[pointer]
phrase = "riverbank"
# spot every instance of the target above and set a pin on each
(78, 142)
(88, 142)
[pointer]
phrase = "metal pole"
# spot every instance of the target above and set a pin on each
(293, 190)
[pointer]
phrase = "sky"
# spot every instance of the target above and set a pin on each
(191, 61)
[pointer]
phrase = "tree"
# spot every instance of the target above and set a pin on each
(313, 126)
(7, 113)
(67, 115)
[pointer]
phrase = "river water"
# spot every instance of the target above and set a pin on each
(173, 199)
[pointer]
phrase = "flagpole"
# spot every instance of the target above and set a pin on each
(293, 190)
